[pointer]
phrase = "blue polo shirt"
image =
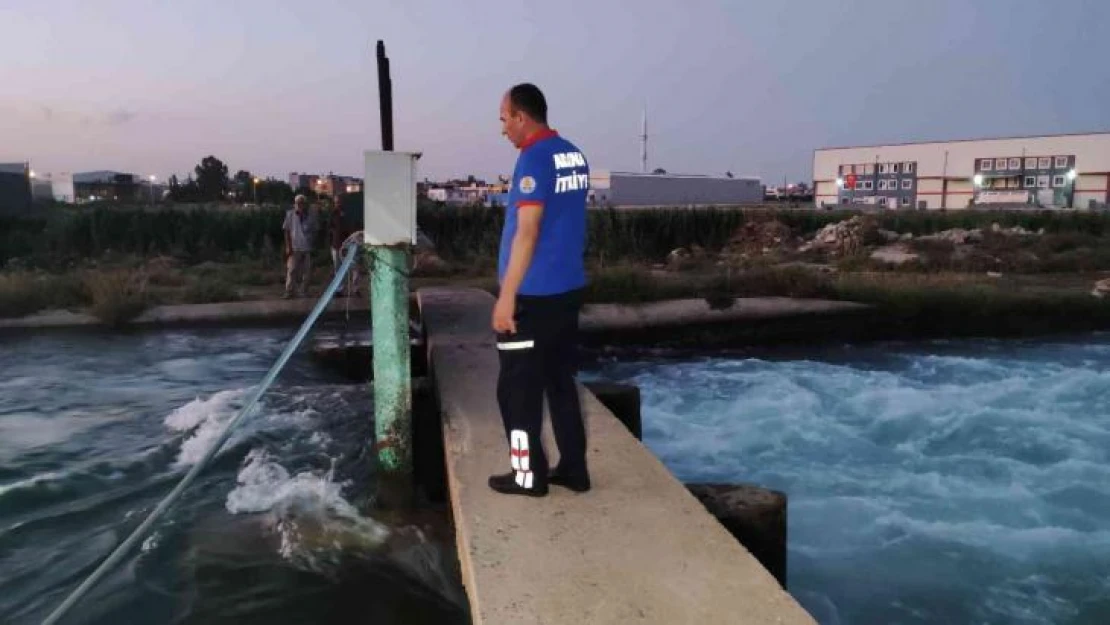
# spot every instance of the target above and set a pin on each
(551, 172)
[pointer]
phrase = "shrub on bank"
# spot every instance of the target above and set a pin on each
(117, 296)
(24, 292)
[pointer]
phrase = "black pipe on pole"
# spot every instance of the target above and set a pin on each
(385, 98)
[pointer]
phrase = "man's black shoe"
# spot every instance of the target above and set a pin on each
(506, 485)
(577, 484)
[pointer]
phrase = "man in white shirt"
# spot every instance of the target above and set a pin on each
(300, 230)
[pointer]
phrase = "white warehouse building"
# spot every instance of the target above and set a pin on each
(1063, 171)
(632, 189)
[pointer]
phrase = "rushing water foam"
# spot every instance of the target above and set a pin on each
(961, 483)
(95, 431)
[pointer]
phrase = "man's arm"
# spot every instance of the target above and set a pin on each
(288, 237)
(529, 215)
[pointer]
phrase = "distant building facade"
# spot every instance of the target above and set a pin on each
(327, 185)
(15, 188)
(470, 192)
(1063, 171)
(618, 189)
(104, 185)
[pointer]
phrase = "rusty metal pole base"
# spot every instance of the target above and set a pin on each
(389, 310)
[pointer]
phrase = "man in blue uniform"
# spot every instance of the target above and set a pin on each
(541, 271)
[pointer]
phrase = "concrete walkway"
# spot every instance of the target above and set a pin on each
(638, 548)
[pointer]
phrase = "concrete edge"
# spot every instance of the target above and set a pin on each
(684, 312)
(595, 317)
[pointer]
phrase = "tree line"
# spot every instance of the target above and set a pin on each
(210, 182)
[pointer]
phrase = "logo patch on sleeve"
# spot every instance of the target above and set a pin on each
(527, 184)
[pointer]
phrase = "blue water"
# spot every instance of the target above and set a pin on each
(95, 430)
(945, 483)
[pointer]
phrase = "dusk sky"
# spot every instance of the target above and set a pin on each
(749, 87)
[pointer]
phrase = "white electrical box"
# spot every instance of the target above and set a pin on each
(389, 198)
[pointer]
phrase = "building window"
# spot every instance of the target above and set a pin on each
(986, 164)
(895, 167)
(883, 168)
(1044, 163)
(1042, 182)
(1030, 181)
(1030, 163)
(906, 200)
(843, 200)
(1000, 164)
(1058, 181)
(868, 169)
(882, 185)
(1061, 162)
(908, 168)
(1015, 163)
(868, 185)
(907, 184)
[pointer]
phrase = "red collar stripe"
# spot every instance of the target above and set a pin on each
(546, 133)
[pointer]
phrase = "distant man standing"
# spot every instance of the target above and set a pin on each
(338, 232)
(541, 271)
(300, 229)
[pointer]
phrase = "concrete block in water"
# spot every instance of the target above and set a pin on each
(354, 359)
(754, 516)
(623, 400)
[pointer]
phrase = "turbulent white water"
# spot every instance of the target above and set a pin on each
(95, 430)
(956, 483)
(293, 502)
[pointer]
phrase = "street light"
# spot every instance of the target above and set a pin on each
(152, 178)
(32, 174)
(256, 181)
(1072, 175)
(978, 180)
(840, 183)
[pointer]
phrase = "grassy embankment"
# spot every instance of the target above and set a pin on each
(116, 261)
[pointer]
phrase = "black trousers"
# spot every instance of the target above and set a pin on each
(541, 359)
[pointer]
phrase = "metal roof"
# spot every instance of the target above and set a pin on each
(889, 145)
(670, 175)
(101, 176)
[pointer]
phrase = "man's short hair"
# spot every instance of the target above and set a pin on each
(528, 98)
(300, 198)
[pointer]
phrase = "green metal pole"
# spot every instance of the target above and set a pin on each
(389, 310)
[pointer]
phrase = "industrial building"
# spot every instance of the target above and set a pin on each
(15, 188)
(619, 189)
(94, 186)
(1058, 171)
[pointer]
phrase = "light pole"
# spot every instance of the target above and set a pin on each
(256, 190)
(152, 179)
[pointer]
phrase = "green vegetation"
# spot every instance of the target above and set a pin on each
(25, 292)
(464, 235)
(117, 261)
(117, 296)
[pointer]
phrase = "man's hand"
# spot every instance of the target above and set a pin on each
(503, 312)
